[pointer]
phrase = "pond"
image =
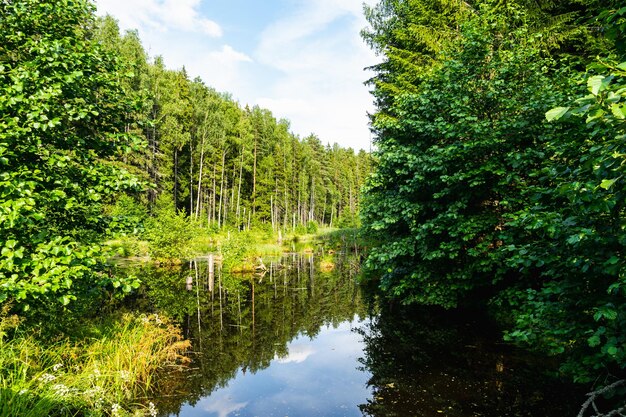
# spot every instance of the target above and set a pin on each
(303, 339)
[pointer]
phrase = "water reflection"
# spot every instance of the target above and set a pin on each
(241, 324)
(429, 362)
(296, 341)
(318, 377)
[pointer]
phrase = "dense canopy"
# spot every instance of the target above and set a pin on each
(500, 134)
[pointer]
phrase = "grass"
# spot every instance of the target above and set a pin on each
(106, 372)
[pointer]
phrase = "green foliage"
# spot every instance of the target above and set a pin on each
(311, 227)
(126, 215)
(452, 162)
(235, 249)
(105, 370)
(494, 182)
(62, 118)
(168, 232)
(574, 235)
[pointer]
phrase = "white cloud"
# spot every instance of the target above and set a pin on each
(319, 51)
(222, 405)
(221, 68)
(227, 55)
(163, 15)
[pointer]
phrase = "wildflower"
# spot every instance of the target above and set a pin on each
(57, 366)
(47, 378)
(145, 320)
(115, 410)
(94, 392)
(125, 375)
(157, 320)
(99, 402)
(61, 390)
(152, 411)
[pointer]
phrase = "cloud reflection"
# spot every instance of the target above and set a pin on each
(298, 353)
(222, 405)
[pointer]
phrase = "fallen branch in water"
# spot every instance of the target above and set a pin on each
(591, 402)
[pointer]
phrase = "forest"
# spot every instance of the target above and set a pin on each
(496, 184)
(100, 141)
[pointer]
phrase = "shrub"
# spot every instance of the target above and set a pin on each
(168, 232)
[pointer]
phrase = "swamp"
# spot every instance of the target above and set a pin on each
(169, 249)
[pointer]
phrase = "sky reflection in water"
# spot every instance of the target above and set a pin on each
(318, 377)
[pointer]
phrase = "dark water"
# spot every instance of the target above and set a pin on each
(296, 341)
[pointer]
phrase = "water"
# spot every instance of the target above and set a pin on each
(317, 377)
(297, 341)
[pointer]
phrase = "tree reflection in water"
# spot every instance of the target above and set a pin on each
(246, 321)
(430, 362)
(420, 362)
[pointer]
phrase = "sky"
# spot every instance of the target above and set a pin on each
(302, 59)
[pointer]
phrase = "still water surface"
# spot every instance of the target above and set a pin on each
(297, 341)
(318, 377)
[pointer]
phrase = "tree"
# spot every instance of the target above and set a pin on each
(568, 245)
(452, 163)
(476, 199)
(62, 125)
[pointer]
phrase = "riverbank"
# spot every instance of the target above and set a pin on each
(105, 366)
(239, 251)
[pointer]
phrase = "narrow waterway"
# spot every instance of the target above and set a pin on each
(302, 340)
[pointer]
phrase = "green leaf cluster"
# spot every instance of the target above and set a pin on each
(62, 122)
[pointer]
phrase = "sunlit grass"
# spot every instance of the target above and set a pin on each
(104, 373)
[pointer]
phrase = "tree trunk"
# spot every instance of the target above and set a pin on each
(175, 179)
(239, 187)
(214, 194)
(254, 178)
(190, 178)
(200, 178)
(219, 216)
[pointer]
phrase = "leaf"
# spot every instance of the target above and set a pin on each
(556, 113)
(598, 83)
(622, 66)
(594, 340)
(613, 260)
(606, 184)
(595, 114)
(618, 111)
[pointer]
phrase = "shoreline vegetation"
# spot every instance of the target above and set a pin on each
(109, 368)
(240, 251)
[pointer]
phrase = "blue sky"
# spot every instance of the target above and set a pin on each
(302, 59)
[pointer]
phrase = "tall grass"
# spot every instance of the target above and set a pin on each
(108, 372)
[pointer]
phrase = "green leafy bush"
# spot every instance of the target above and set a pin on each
(63, 114)
(168, 232)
